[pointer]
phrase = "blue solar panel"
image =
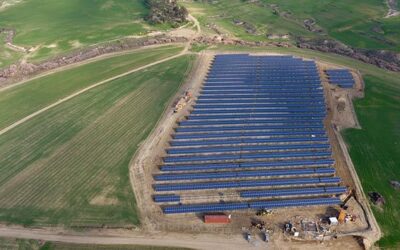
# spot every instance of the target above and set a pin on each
(244, 174)
(248, 134)
(167, 198)
(269, 165)
(293, 192)
(256, 117)
(244, 184)
(233, 141)
(216, 207)
(181, 151)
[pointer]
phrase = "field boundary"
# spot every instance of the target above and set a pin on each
(81, 63)
(86, 89)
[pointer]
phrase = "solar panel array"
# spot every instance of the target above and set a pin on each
(257, 131)
(341, 77)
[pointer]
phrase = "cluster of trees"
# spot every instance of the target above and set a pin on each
(166, 11)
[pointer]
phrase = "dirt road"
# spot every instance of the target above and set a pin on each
(201, 241)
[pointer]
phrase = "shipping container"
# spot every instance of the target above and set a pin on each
(217, 219)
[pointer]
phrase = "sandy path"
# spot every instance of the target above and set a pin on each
(201, 241)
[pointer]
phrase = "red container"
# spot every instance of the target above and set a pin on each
(217, 219)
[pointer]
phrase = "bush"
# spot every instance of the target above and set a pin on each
(163, 11)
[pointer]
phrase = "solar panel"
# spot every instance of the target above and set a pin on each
(258, 117)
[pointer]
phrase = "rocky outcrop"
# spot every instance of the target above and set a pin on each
(23, 70)
(384, 59)
(211, 40)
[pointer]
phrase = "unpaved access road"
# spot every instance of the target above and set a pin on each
(202, 241)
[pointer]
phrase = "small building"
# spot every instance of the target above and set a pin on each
(333, 221)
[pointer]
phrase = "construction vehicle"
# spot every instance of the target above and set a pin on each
(248, 236)
(264, 212)
(266, 236)
(183, 101)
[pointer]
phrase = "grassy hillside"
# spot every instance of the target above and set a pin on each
(375, 150)
(69, 165)
(7, 56)
(359, 23)
(22, 100)
(52, 27)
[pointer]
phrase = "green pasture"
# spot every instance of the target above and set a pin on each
(359, 23)
(53, 27)
(69, 165)
(375, 151)
(22, 100)
(7, 55)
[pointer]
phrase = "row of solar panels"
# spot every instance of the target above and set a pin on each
(194, 208)
(261, 116)
(278, 106)
(270, 193)
(247, 134)
(275, 96)
(233, 82)
(257, 99)
(244, 132)
(305, 109)
(261, 92)
(267, 80)
(248, 140)
(265, 72)
(222, 149)
(293, 192)
(287, 164)
(314, 153)
(250, 121)
(230, 87)
(245, 184)
(245, 174)
(318, 125)
(261, 64)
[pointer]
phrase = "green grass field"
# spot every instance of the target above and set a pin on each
(53, 27)
(69, 165)
(7, 56)
(375, 150)
(358, 23)
(22, 100)
(22, 244)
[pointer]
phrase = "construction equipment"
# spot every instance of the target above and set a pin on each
(183, 101)
(342, 215)
(264, 212)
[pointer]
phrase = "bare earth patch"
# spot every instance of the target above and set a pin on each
(103, 199)
(7, 3)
